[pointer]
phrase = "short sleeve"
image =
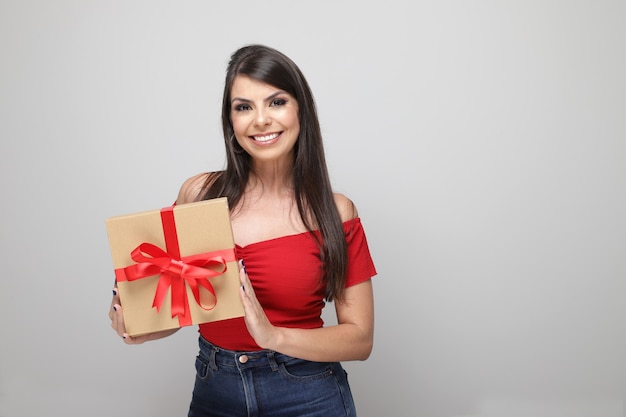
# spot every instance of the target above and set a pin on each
(360, 264)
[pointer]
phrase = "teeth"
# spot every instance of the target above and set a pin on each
(266, 138)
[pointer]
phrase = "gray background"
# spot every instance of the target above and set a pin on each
(484, 143)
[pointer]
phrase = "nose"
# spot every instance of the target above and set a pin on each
(262, 118)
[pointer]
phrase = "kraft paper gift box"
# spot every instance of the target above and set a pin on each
(175, 266)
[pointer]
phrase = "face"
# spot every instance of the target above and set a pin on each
(265, 119)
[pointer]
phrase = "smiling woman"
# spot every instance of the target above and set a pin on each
(266, 118)
(299, 245)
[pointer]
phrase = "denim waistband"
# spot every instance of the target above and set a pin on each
(242, 359)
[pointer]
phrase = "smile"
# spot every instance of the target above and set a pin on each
(266, 138)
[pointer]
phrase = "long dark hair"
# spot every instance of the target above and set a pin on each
(313, 191)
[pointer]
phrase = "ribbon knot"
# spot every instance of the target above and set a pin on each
(175, 273)
(176, 267)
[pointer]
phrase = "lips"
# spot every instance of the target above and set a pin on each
(265, 138)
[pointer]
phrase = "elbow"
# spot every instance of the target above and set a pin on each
(366, 349)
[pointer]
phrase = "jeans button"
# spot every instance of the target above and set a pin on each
(243, 359)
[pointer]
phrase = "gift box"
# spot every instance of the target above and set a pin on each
(175, 266)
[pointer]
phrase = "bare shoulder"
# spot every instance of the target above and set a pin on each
(345, 206)
(192, 189)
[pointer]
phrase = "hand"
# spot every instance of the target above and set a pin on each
(117, 322)
(259, 326)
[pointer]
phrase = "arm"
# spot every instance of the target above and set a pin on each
(350, 339)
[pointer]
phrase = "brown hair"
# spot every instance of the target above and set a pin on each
(313, 191)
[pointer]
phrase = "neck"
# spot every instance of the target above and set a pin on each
(273, 178)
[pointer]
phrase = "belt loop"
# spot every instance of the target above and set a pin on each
(212, 363)
(272, 361)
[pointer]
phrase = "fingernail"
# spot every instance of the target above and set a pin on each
(114, 308)
(114, 292)
(243, 263)
(243, 288)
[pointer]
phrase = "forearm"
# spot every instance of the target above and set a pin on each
(342, 342)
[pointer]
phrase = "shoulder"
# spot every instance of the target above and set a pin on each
(346, 208)
(194, 187)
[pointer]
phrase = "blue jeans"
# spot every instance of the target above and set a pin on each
(267, 383)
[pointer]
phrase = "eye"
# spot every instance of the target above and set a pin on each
(278, 102)
(242, 107)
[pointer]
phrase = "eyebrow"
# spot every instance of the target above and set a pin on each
(268, 98)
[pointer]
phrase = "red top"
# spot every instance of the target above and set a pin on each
(285, 273)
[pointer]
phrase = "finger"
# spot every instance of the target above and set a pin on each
(244, 279)
(129, 340)
(242, 282)
(114, 301)
(116, 296)
(246, 292)
(118, 320)
(113, 314)
(253, 312)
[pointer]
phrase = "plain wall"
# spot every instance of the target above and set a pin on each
(483, 142)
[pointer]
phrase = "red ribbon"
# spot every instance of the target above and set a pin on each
(175, 271)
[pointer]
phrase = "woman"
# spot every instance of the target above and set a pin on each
(299, 245)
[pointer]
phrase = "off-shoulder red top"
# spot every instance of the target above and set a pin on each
(285, 273)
